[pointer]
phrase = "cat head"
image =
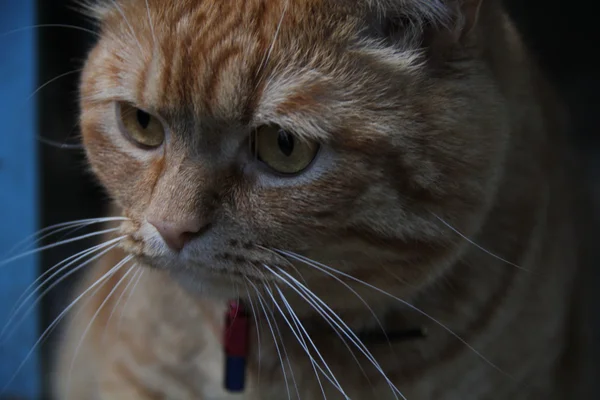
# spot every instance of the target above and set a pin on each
(233, 133)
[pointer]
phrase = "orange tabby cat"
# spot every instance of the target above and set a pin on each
(345, 168)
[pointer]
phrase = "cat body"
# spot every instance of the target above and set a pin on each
(424, 184)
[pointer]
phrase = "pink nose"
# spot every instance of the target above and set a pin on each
(177, 234)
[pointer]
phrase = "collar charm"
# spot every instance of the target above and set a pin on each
(236, 346)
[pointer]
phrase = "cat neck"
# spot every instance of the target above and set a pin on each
(477, 300)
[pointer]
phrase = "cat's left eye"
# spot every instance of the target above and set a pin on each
(282, 151)
(140, 126)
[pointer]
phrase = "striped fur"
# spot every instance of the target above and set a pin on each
(426, 132)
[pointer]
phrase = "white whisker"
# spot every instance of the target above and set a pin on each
(297, 332)
(255, 315)
(131, 280)
(151, 24)
(26, 28)
(354, 292)
(285, 353)
(52, 286)
(62, 227)
(87, 301)
(407, 304)
(76, 71)
(78, 256)
(60, 145)
(288, 359)
(330, 315)
(50, 328)
(318, 309)
(51, 246)
(288, 262)
(89, 325)
(478, 246)
(20, 303)
(267, 55)
(300, 335)
(139, 278)
(329, 374)
(262, 305)
(131, 30)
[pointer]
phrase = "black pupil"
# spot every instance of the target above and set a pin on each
(143, 118)
(286, 143)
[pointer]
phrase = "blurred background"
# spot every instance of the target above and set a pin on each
(44, 179)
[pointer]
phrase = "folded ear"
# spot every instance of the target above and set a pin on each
(469, 12)
(412, 19)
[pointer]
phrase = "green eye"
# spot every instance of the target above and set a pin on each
(140, 126)
(282, 151)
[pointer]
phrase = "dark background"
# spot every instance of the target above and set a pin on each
(562, 35)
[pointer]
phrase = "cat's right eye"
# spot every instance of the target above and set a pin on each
(141, 127)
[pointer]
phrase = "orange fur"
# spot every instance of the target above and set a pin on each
(420, 130)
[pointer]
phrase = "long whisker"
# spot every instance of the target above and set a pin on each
(83, 305)
(354, 292)
(60, 145)
(478, 246)
(63, 226)
(139, 278)
(130, 27)
(76, 71)
(318, 309)
(407, 304)
(52, 286)
(257, 326)
(50, 328)
(70, 231)
(26, 28)
(84, 252)
(19, 304)
(285, 353)
(288, 262)
(262, 305)
(151, 24)
(288, 359)
(270, 51)
(131, 280)
(81, 308)
(297, 319)
(330, 315)
(396, 277)
(296, 331)
(51, 246)
(89, 325)
(330, 376)
(300, 335)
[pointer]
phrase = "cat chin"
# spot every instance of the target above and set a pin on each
(208, 285)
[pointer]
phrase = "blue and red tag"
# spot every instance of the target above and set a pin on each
(236, 346)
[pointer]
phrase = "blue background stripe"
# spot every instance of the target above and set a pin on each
(18, 188)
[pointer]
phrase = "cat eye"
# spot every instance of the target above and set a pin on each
(141, 127)
(282, 151)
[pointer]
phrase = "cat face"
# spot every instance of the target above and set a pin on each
(231, 131)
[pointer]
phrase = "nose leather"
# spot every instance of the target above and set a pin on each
(177, 234)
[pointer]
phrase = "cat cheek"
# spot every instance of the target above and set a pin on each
(125, 178)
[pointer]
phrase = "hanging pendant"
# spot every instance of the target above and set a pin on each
(236, 346)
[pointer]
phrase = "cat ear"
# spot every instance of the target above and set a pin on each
(415, 19)
(469, 12)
